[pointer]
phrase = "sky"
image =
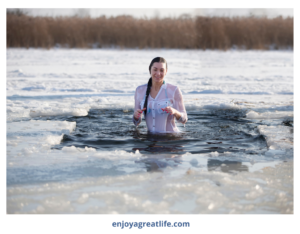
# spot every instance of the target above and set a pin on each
(155, 12)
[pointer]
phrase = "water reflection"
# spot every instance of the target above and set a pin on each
(163, 143)
(227, 166)
(155, 137)
(158, 162)
(160, 142)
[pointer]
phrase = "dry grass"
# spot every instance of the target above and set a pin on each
(126, 31)
(248, 33)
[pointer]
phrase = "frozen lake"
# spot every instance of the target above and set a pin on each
(72, 146)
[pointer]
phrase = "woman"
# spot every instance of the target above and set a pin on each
(161, 103)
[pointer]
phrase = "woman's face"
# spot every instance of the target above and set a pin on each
(158, 72)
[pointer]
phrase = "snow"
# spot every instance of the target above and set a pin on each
(38, 79)
(221, 193)
(34, 138)
(255, 85)
(275, 141)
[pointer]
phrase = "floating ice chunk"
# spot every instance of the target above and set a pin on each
(69, 149)
(277, 137)
(269, 115)
(214, 154)
(252, 115)
(89, 149)
(54, 140)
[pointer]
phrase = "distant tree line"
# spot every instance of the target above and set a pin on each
(125, 31)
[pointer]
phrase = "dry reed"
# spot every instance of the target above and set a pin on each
(126, 31)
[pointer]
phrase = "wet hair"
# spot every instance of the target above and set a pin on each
(155, 60)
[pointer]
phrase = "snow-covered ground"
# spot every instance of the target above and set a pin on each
(70, 82)
(37, 80)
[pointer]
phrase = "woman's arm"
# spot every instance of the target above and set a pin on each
(172, 111)
(179, 109)
(137, 114)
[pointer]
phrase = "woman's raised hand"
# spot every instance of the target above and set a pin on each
(138, 113)
(172, 111)
(169, 110)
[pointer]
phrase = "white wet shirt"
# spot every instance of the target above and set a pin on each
(156, 119)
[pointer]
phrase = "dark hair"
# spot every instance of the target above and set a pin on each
(155, 60)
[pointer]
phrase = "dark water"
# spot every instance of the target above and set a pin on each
(203, 133)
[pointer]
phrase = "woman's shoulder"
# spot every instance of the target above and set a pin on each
(141, 87)
(141, 90)
(172, 87)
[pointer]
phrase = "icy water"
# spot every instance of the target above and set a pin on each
(206, 134)
(72, 146)
(106, 130)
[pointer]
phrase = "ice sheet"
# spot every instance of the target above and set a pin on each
(269, 190)
(252, 85)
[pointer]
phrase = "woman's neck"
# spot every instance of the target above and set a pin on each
(156, 85)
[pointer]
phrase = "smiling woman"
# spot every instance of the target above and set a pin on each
(160, 102)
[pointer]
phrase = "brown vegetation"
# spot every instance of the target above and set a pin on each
(249, 33)
(126, 31)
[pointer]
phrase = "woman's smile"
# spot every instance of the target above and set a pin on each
(158, 77)
(158, 72)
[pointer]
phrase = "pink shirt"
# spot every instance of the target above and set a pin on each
(156, 119)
